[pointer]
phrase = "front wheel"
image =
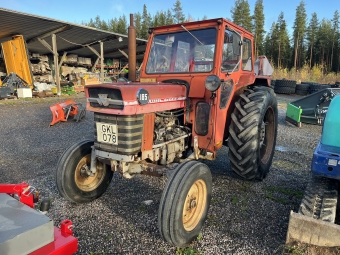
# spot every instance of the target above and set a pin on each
(185, 203)
(72, 179)
(252, 133)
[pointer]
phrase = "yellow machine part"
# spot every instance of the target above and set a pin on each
(16, 58)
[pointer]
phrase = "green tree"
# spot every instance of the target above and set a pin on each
(138, 23)
(267, 47)
(283, 42)
(112, 25)
(122, 25)
(178, 15)
(312, 30)
(169, 18)
(270, 42)
(299, 32)
(335, 37)
(155, 20)
(97, 22)
(162, 18)
(104, 25)
(146, 23)
(241, 14)
(258, 27)
(90, 23)
(323, 42)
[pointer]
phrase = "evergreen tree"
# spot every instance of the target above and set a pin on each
(312, 30)
(323, 42)
(283, 42)
(138, 23)
(270, 42)
(267, 47)
(155, 20)
(241, 14)
(178, 15)
(146, 22)
(91, 23)
(335, 37)
(162, 18)
(112, 26)
(104, 25)
(299, 32)
(169, 18)
(258, 29)
(96, 21)
(122, 25)
(275, 42)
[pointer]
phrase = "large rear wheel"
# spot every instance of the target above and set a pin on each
(72, 178)
(184, 204)
(252, 133)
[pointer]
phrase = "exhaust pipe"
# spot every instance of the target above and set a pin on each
(132, 50)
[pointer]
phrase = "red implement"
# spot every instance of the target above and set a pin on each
(26, 194)
(64, 242)
(61, 111)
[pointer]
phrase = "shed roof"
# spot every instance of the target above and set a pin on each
(71, 37)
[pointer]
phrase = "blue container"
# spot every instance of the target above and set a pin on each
(331, 125)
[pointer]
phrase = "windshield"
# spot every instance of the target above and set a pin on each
(186, 51)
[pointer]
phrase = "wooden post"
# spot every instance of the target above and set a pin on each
(101, 62)
(56, 63)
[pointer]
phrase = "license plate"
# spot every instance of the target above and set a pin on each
(107, 133)
(332, 162)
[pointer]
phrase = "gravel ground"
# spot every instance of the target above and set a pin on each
(244, 217)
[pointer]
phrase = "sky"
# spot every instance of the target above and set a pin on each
(78, 11)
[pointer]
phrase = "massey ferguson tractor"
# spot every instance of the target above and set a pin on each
(200, 88)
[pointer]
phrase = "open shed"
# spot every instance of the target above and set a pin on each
(59, 38)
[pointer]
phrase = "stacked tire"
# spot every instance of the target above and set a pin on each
(315, 87)
(285, 87)
(302, 89)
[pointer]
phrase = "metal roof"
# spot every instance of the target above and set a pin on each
(71, 37)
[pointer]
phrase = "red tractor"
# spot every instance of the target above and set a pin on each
(200, 88)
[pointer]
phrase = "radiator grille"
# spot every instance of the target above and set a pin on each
(130, 130)
(114, 94)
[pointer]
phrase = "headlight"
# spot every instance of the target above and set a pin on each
(212, 83)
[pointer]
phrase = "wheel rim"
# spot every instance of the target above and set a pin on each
(84, 181)
(194, 205)
(267, 135)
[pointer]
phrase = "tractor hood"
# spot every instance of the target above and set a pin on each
(129, 98)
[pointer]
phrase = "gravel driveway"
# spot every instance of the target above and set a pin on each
(244, 217)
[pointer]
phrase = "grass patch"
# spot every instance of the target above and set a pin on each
(187, 251)
(142, 208)
(287, 192)
(235, 200)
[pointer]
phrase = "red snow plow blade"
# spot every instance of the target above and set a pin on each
(69, 108)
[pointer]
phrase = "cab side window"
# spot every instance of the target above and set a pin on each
(246, 55)
(231, 52)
